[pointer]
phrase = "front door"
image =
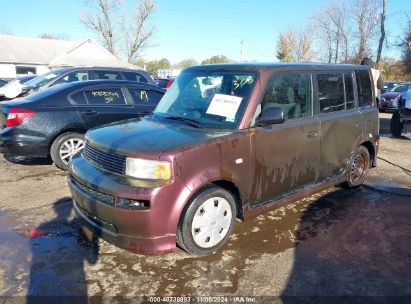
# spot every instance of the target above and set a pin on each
(287, 155)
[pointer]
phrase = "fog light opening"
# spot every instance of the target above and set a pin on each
(132, 204)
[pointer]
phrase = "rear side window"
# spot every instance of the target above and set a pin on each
(331, 92)
(108, 75)
(145, 97)
(105, 97)
(364, 89)
(349, 91)
(291, 92)
(132, 76)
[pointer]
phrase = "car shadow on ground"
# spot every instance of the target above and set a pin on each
(27, 161)
(352, 247)
(59, 253)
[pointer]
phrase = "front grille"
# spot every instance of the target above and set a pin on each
(96, 195)
(108, 161)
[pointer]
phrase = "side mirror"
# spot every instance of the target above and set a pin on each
(271, 116)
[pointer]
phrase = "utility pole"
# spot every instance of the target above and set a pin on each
(242, 50)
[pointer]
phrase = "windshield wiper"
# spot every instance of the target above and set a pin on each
(189, 121)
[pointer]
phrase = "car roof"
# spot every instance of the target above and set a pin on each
(279, 65)
(99, 68)
(87, 83)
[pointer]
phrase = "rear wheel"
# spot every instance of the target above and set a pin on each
(395, 124)
(65, 147)
(207, 222)
(358, 169)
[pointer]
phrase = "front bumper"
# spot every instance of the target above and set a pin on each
(146, 231)
(11, 142)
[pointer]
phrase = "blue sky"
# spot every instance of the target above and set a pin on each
(192, 28)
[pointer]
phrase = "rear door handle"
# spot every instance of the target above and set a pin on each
(90, 112)
(312, 134)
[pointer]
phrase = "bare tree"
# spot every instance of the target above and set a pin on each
(100, 21)
(382, 27)
(122, 34)
(137, 31)
(299, 44)
(366, 19)
(332, 31)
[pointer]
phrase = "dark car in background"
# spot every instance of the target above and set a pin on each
(67, 75)
(3, 82)
(14, 85)
(53, 122)
(164, 83)
(389, 85)
(389, 100)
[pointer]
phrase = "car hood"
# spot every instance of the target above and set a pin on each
(390, 95)
(136, 138)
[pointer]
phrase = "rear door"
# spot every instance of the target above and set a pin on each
(341, 123)
(145, 99)
(101, 105)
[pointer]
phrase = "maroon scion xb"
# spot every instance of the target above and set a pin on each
(225, 142)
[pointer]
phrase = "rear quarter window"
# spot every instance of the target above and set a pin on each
(145, 97)
(107, 97)
(78, 98)
(364, 87)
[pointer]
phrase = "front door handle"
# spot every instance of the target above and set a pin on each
(312, 134)
(90, 112)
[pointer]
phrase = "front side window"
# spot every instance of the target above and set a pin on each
(331, 92)
(364, 87)
(72, 77)
(105, 97)
(291, 92)
(212, 99)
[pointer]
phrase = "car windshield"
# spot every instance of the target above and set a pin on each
(208, 99)
(400, 88)
(43, 79)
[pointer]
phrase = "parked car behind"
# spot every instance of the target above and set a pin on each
(164, 83)
(3, 82)
(67, 75)
(389, 85)
(53, 122)
(389, 100)
(14, 86)
(401, 118)
(250, 138)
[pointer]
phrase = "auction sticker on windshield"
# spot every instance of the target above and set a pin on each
(224, 105)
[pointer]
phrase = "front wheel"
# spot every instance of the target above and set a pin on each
(358, 168)
(65, 147)
(207, 222)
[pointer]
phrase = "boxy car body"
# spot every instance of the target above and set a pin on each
(225, 142)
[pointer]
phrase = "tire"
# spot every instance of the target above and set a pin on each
(358, 168)
(65, 147)
(395, 124)
(207, 221)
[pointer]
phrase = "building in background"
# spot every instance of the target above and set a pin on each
(27, 55)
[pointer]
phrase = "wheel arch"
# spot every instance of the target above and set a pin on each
(371, 150)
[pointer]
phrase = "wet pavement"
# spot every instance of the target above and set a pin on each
(334, 243)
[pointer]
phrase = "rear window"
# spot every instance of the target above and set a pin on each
(105, 97)
(364, 89)
(145, 97)
(133, 76)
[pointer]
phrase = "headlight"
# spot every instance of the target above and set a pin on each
(148, 169)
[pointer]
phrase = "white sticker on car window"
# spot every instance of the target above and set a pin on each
(224, 105)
